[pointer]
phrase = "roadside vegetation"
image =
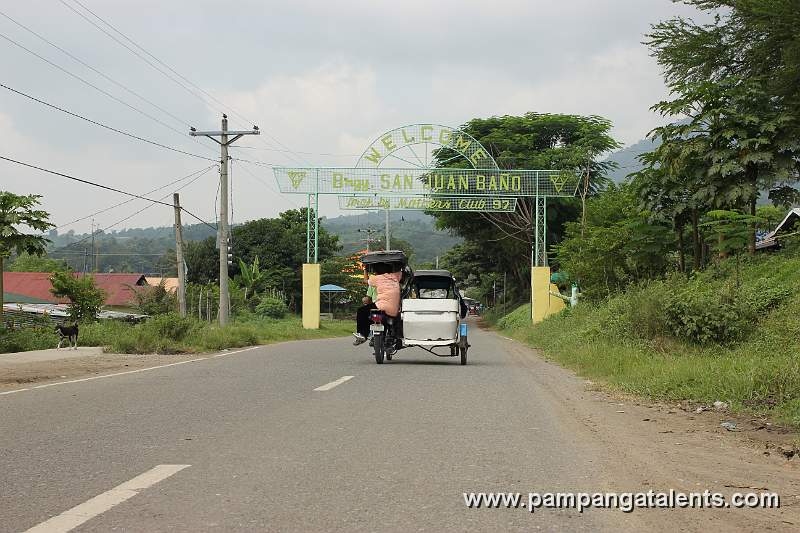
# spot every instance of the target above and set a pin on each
(698, 339)
(678, 301)
(169, 334)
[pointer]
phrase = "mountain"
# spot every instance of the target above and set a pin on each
(626, 159)
(151, 250)
(413, 226)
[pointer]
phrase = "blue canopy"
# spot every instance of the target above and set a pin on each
(332, 288)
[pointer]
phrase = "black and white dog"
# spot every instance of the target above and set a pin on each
(70, 333)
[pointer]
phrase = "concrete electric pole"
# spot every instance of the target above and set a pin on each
(179, 256)
(226, 138)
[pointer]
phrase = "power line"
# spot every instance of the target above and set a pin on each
(100, 185)
(93, 69)
(86, 82)
(184, 78)
(265, 184)
(298, 152)
(203, 171)
(120, 221)
(61, 252)
(106, 126)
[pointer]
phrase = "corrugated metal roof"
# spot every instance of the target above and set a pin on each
(36, 286)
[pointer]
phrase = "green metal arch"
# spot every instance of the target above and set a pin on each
(414, 134)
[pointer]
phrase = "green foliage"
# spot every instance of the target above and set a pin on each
(344, 272)
(85, 298)
(618, 246)
(410, 226)
(502, 242)
(250, 276)
(171, 326)
(155, 300)
(32, 263)
(731, 228)
(696, 339)
(272, 308)
(39, 337)
(20, 211)
(729, 79)
(278, 243)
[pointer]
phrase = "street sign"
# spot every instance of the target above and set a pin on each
(426, 181)
(495, 204)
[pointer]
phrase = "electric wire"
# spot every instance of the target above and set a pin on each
(204, 170)
(86, 82)
(100, 185)
(190, 91)
(120, 221)
(95, 70)
(106, 126)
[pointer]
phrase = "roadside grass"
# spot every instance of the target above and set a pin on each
(169, 334)
(627, 343)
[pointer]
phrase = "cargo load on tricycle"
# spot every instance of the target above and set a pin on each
(428, 311)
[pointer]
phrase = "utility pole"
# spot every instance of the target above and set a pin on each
(179, 255)
(387, 230)
(94, 251)
(369, 231)
(222, 229)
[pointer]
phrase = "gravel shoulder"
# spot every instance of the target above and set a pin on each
(28, 368)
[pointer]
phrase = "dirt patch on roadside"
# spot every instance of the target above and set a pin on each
(16, 375)
(663, 446)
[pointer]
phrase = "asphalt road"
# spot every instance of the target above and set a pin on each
(391, 449)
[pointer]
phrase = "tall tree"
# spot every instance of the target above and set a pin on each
(533, 141)
(278, 243)
(16, 213)
(736, 79)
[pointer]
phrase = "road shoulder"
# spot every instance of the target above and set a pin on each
(666, 447)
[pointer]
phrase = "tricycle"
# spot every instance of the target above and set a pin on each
(431, 315)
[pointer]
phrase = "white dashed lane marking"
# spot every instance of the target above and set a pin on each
(332, 384)
(72, 518)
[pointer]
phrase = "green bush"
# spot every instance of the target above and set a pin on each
(170, 326)
(155, 300)
(85, 298)
(234, 336)
(699, 319)
(25, 339)
(103, 332)
(272, 308)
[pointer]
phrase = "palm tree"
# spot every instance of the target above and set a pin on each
(16, 211)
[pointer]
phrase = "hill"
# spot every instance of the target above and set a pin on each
(413, 226)
(151, 250)
(626, 159)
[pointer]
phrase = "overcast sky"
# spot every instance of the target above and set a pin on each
(323, 78)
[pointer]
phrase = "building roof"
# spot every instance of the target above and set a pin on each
(170, 284)
(35, 287)
(787, 224)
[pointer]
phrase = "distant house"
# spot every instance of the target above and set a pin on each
(789, 225)
(34, 287)
(170, 284)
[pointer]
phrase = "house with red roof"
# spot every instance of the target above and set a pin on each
(34, 287)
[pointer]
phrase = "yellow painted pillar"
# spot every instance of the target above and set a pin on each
(556, 304)
(540, 293)
(311, 296)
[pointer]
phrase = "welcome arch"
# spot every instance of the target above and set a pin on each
(424, 177)
(399, 145)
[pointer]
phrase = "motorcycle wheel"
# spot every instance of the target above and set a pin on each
(463, 355)
(379, 350)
